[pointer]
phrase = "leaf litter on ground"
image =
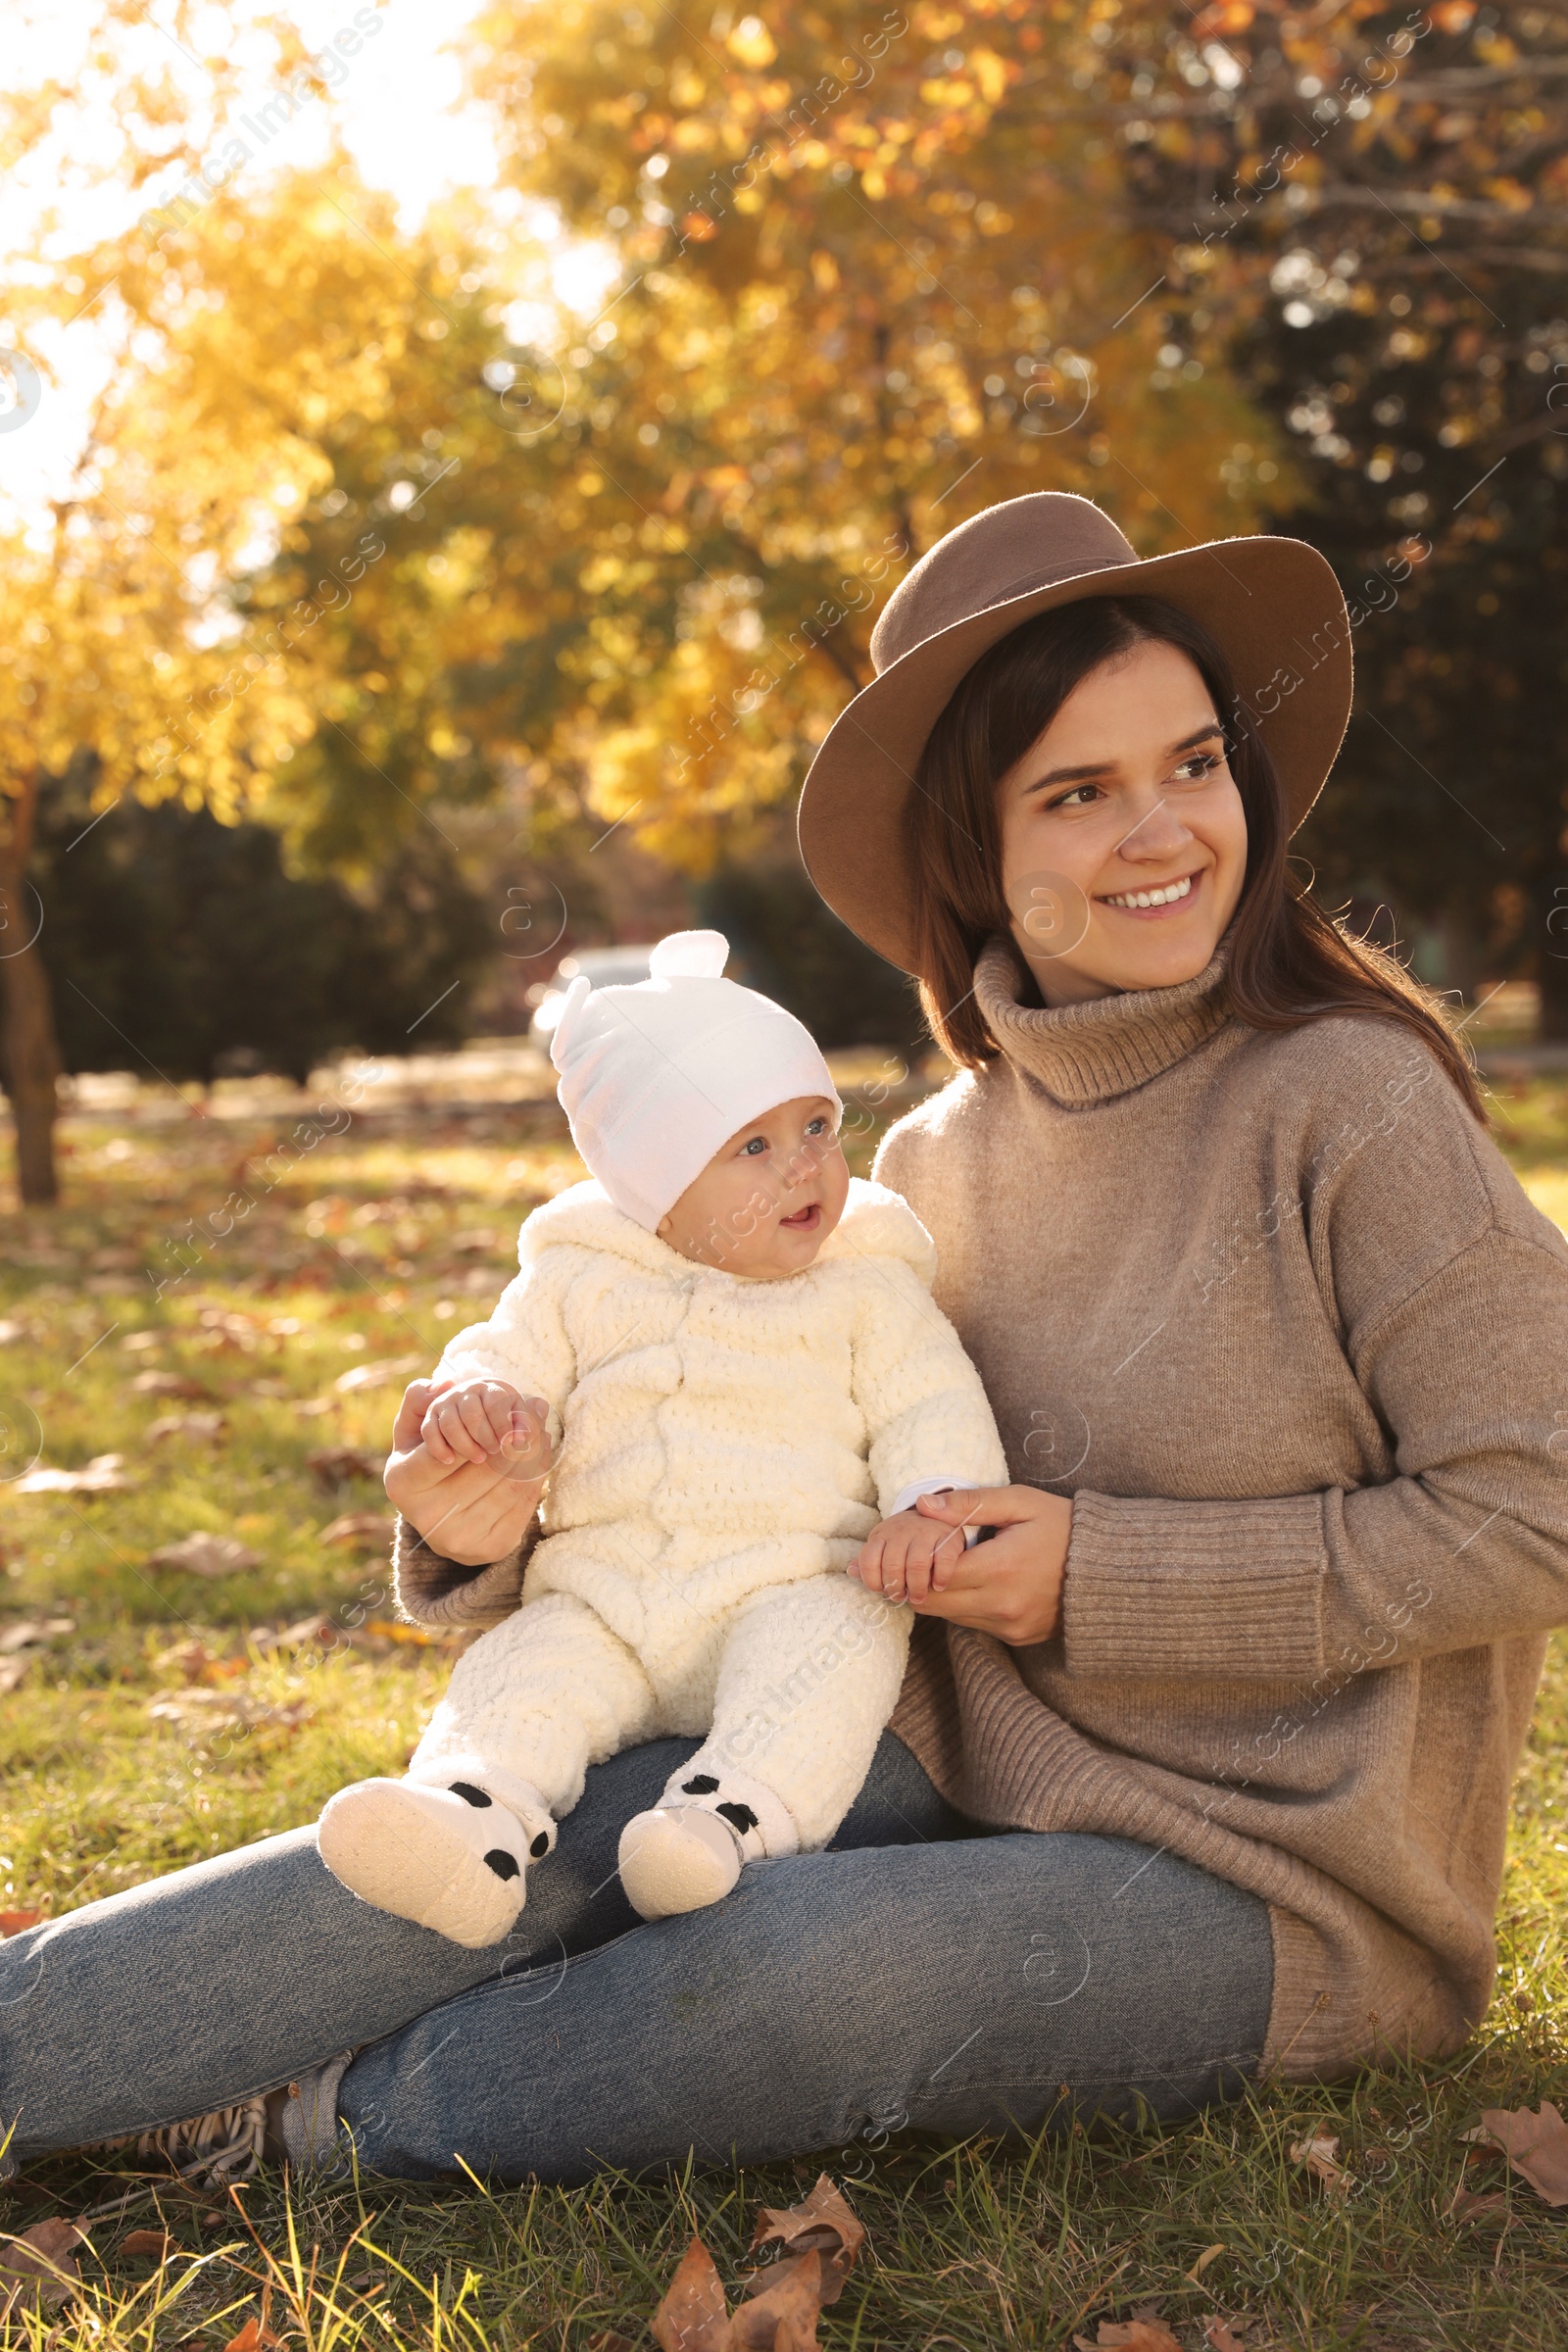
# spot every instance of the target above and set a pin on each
(1536, 2145)
(38, 2266)
(821, 2237)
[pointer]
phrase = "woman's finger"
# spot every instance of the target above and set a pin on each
(984, 1506)
(417, 1398)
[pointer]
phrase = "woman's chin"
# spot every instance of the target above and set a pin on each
(1151, 959)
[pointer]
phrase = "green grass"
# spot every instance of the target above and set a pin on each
(369, 1247)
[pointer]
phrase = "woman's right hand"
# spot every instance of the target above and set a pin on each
(472, 1512)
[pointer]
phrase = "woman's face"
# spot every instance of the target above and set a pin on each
(1123, 838)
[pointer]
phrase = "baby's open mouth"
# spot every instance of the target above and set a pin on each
(804, 1220)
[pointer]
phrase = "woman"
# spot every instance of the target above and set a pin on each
(1202, 1765)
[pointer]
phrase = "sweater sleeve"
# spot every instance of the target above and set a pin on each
(1466, 1544)
(525, 1341)
(925, 1410)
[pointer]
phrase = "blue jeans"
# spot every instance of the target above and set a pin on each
(922, 1973)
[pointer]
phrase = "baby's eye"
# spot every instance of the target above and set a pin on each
(818, 1127)
(750, 1151)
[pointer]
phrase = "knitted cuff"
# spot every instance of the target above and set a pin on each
(1217, 1591)
(434, 1591)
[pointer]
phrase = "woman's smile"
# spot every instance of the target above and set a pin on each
(1155, 900)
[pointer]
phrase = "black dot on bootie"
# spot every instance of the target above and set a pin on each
(742, 1816)
(701, 1783)
(505, 1865)
(540, 1847)
(469, 1794)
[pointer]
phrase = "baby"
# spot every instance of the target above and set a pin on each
(722, 1361)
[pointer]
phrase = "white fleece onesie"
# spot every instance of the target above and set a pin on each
(723, 1448)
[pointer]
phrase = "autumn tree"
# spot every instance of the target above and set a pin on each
(1372, 203)
(864, 288)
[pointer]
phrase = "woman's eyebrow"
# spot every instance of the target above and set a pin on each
(1103, 767)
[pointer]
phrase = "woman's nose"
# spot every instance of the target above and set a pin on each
(1159, 831)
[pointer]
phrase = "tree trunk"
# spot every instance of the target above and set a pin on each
(31, 1055)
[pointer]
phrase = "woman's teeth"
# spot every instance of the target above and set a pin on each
(1152, 897)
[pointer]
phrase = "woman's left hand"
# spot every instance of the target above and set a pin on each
(1011, 1586)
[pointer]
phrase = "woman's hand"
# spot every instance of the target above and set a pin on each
(472, 1512)
(1011, 1586)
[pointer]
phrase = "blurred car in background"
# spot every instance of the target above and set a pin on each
(601, 967)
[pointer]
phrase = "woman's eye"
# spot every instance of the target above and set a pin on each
(1079, 798)
(1201, 765)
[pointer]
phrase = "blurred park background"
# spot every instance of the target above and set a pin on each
(451, 461)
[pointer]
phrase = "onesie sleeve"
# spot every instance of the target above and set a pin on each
(926, 1414)
(525, 1341)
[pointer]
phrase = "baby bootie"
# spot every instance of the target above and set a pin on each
(688, 1850)
(449, 1859)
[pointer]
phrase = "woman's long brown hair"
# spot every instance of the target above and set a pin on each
(1289, 963)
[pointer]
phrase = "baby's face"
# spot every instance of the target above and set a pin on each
(766, 1201)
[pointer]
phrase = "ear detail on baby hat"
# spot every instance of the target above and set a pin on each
(577, 996)
(689, 956)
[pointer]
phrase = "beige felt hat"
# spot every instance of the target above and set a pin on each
(1273, 605)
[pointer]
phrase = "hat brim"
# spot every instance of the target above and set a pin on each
(1272, 605)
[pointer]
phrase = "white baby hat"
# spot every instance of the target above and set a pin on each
(654, 1077)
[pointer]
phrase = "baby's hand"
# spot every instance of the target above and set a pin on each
(478, 1420)
(908, 1557)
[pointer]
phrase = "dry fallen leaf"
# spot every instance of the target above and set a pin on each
(1320, 2155)
(316, 1628)
(207, 1555)
(37, 2267)
(333, 1464)
(1220, 2336)
(692, 2315)
(1130, 2336)
(23, 1631)
(169, 1383)
(103, 1475)
(375, 1376)
(16, 1923)
(606, 2340)
(1203, 2260)
(1536, 2146)
(156, 2242)
(371, 1529)
(185, 1425)
(782, 2316)
(824, 2225)
(256, 2335)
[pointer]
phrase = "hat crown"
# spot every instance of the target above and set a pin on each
(999, 553)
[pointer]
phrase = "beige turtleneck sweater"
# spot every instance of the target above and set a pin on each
(1274, 1311)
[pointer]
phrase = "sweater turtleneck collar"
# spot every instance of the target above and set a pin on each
(1084, 1053)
